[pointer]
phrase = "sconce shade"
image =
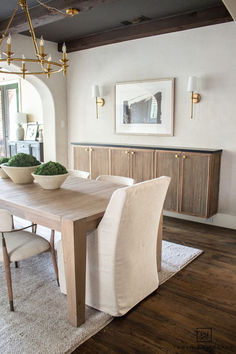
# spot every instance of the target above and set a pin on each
(192, 84)
(21, 118)
(95, 91)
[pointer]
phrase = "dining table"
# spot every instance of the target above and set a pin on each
(74, 209)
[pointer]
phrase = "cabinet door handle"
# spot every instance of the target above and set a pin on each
(132, 153)
(126, 152)
(91, 150)
(184, 156)
(86, 149)
(176, 156)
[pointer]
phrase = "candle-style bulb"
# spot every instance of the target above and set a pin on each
(64, 48)
(9, 39)
(23, 57)
(49, 57)
(41, 43)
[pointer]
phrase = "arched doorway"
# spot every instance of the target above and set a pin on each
(48, 112)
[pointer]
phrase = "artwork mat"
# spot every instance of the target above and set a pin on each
(31, 126)
(172, 95)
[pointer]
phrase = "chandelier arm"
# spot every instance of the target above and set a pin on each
(9, 24)
(40, 55)
(32, 61)
(25, 7)
(31, 73)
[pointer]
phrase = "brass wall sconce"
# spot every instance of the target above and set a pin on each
(195, 97)
(99, 100)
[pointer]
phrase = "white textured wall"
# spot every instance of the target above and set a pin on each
(208, 53)
(31, 103)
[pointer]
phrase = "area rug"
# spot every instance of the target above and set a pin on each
(174, 258)
(39, 323)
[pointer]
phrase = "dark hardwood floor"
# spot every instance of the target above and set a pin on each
(199, 301)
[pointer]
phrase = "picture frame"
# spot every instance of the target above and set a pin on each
(145, 107)
(31, 131)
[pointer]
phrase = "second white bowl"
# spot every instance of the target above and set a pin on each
(50, 182)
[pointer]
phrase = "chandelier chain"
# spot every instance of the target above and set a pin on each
(53, 9)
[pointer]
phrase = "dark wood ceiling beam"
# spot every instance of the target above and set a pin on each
(41, 16)
(210, 16)
(231, 6)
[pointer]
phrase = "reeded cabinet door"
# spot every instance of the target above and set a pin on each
(81, 158)
(142, 161)
(99, 161)
(120, 162)
(168, 164)
(194, 181)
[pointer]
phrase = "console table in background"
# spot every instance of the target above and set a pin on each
(30, 147)
(194, 172)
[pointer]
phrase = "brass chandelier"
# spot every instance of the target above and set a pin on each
(47, 66)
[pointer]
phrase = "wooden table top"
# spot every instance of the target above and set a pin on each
(77, 199)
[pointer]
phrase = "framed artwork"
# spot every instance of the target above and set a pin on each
(31, 132)
(145, 107)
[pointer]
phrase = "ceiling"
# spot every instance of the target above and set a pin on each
(106, 15)
(6, 7)
(109, 16)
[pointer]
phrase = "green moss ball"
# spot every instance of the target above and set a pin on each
(23, 160)
(50, 169)
(4, 160)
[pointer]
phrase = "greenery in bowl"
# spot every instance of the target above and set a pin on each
(4, 160)
(50, 169)
(22, 160)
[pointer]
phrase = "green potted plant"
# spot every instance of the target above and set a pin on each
(20, 167)
(3, 173)
(50, 175)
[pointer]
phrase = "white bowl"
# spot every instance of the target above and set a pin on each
(50, 182)
(3, 173)
(19, 175)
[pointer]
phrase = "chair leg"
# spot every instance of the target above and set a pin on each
(13, 225)
(53, 255)
(34, 228)
(8, 273)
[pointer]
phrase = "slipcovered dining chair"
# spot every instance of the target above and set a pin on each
(122, 251)
(78, 173)
(126, 181)
(18, 244)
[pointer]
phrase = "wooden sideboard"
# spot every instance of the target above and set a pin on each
(195, 173)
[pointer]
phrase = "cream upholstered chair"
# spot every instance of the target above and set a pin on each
(78, 173)
(121, 252)
(127, 181)
(18, 245)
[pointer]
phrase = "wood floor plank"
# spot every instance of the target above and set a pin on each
(201, 296)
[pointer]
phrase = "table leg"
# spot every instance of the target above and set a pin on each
(74, 251)
(159, 243)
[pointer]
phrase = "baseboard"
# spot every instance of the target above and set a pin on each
(223, 220)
